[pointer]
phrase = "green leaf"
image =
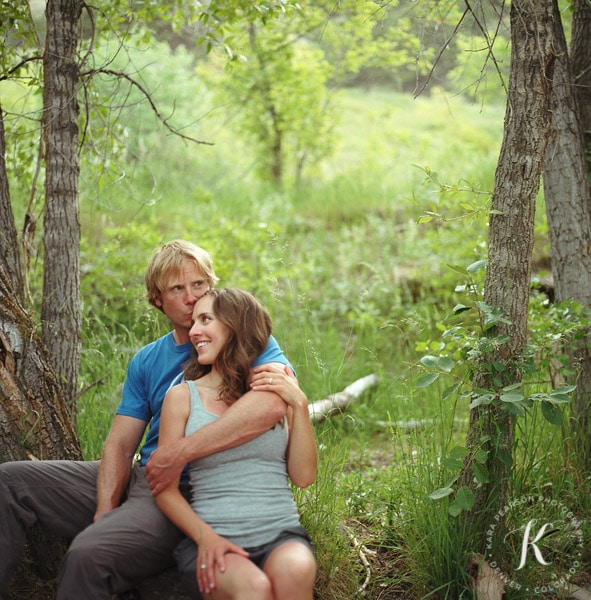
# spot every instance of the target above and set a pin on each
(514, 397)
(429, 361)
(505, 457)
(453, 464)
(446, 364)
(422, 220)
(513, 386)
(425, 219)
(459, 452)
(560, 398)
(458, 269)
(483, 399)
(441, 493)
(450, 391)
(460, 308)
(514, 408)
(480, 473)
(483, 307)
(562, 394)
(565, 389)
(426, 380)
(465, 498)
(477, 266)
(552, 413)
(481, 456)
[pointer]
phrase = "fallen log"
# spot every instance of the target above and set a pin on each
(335, 403)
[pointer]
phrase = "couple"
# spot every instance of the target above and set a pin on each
(107, 507)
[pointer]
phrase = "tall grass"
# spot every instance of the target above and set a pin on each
(354, 286)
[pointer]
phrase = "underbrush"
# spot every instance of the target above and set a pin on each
(359, 271)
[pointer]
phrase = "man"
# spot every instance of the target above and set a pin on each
(119, 537)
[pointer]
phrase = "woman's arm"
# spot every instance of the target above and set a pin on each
(302, 454)
(211, 547)
(242, 422)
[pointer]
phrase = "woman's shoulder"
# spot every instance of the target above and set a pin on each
(178, 396)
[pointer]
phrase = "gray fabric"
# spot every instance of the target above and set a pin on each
(127, 545)
(243, 492)
(59, 495)
(185, 555)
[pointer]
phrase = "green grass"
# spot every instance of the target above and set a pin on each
(354, 286)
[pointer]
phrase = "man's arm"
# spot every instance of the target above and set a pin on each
(116, 463)
(253, 414)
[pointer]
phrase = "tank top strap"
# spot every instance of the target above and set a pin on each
(196, 401)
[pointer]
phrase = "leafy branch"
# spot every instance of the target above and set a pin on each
(472, 342)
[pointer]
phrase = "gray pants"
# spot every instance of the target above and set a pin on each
(124, 547)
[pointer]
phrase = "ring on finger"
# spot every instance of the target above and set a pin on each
(270, 381)
(203, 566)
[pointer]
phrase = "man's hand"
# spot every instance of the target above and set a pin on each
(165, 465)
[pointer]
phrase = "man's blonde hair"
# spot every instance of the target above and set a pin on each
(168, 261)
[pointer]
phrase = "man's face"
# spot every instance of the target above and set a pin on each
(179, 295)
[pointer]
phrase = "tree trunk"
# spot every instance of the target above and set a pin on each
(272, 131)
(36, 402)
(581, 67)
(511, 237)
(568, 208)
(9, 259)
(28, 386)
(60, 312)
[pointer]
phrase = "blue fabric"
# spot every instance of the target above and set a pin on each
(153, 370)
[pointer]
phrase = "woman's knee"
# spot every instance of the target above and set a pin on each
(258, 585)
(293, 564)
(245, 583)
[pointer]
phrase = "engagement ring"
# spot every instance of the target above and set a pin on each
(204, 566)
(270, 381)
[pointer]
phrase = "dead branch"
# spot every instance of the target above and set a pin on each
(147, 95)
(335, 403)
(363, 551)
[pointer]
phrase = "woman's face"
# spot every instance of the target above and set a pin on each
(208, 334)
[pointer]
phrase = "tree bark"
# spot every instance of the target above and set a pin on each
(60, 312)
(511, 236)
(9, 258)
(568, 208)
(27, 386)
(581, 67)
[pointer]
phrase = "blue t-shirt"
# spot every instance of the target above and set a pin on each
(152, 371)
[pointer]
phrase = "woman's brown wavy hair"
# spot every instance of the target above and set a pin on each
(249, 327)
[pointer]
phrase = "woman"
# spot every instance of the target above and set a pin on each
(243, 518)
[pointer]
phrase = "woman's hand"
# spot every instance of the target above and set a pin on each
(211, 551)
(283, 383)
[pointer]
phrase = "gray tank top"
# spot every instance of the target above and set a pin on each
(243, 492)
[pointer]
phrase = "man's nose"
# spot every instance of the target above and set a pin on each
(191, 297)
